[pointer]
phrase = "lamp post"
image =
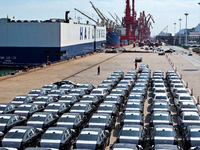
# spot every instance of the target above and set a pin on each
(180, 31)
(186, 39)
(174, 33)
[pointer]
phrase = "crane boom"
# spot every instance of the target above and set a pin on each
(86, 16)
(118, 18)
(113, 18)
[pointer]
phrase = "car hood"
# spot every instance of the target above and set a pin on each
(86, 144)
(50, 143)
(128, 139)
(10, 142)
(164, 140)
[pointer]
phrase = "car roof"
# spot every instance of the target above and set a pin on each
(101, 115)
(41, 113)
(22, 127)
(57, 128)
(163, 127)
(92, 129)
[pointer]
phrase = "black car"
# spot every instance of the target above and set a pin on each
(131, 117)
(92, 138)
(39, 148)
(66, 88)
(160, 106)
(43, 100)
(138, 59)
(21, 137)
(7, 108)
(69, 100)
(85, 109)
(42, 120)
(49, 87)
(165, 146)
(163, 134)
(57, 108)
(62, 82)
(37, 92)
(72, 121)
(101, 93)
(107, 108)
(119, 92)
(93, 99)
(136, 98)
(107, 87)
(7, 121)
(56, 94)
(77, 92)
(133, 106)
(27, 110)
(133, 134)
(103, 121)
(57, 137)
(22, 99)
(87, 87)
(160, 117)
(169, 51)
(191, 136)
(114, 99)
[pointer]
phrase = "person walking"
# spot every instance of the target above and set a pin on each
(135, 65)
(98, 70)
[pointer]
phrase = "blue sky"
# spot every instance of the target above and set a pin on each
(165, 12)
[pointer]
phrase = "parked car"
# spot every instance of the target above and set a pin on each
(72, 121)
(161, 97)
(189, 53)
(103, 121)
(191, 135)
(187, 106)
(66, 88)
(114, 99)
(160, 118)
(56, 108)
(160, 106)
(107, 87)
(77, 92)
(7, 121)
(36, 93)
(21, 99)
(87, 87)
(131, 117)
(7, 108)
(56, 94)
(136, 98)
(133, 134)
(161, 53)
(62, 82)
(93, 99)
(187, 118)
(43, 100)
(119, 92)
(49, 87)
(133, 106)
(169, 51)
(69, 100)
(85, 109)
(108, 108)
(57, 137)
(21, 137)
(101, 93)
(92, 138)
(42, 120)
(166, 146)
(27, 110)
(163, 134)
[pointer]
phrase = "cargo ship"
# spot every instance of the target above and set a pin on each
(29, 43)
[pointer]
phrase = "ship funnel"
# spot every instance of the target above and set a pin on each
(66, 16)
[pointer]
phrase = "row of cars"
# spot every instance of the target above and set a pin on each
(51, 124)
(188, 113)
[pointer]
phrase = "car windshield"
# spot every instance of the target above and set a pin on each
(161, 97)
(15, 135)
(182, 91)
(66, 119)
(83, 86)
(55, 92)
(88, 137)
(24, 108)
(19, 99)
(78, 108)
(53, 136)
(36, 118)
(4, 120)
(161, 117)
(136, 91)
(132, 106)
(2, 108)
(164, 134)
(134, 97)
(34, 92)
(96, 92)
(159, 91)
(105, 108)
(66, 98)
(98, 120)
(121, 86)
(135, 117)
(159, 85)
(48, 86)
(161, 106)
(185, 98)
(75, 92)
(110, 99)
(191, 118)
(103, 86)
(139, 85)
(65, 87)
(116, 92)
(130, 133)
(195, 134)
(179, 86)
(40, 100)
(88, 98)
(188, 106)
(52, 107)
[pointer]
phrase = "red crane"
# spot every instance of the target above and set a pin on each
(128, 22)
